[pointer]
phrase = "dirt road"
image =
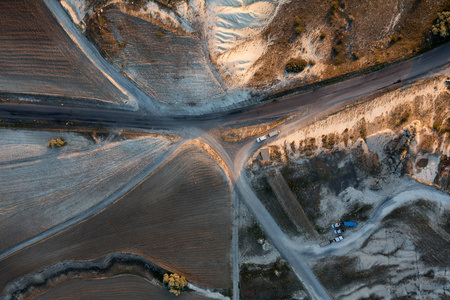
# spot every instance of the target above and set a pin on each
(313, 105)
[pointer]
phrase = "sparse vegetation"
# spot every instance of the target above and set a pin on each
(337, 49)
(174, 283)
(338, 61)
(273, 281)
(404, 118)
(159, 33)
(395, 38)
(442, 26)
(358, 212)
(56, 143)
(296, 65)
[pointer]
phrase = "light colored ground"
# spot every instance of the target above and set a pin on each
(50, 186)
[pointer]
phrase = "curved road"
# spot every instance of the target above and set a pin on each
(311, 105)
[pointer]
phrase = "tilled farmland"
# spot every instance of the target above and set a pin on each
(178, 218)
(51, 186)
(120, 287)
(38, 58)
(170, 66)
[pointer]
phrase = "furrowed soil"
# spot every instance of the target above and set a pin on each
(120, 287)
(178, 218)
(167, 64)
(39, 58)
(51, 186)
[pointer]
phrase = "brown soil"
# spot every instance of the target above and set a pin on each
(273, 281)
(120, 287)
(357, 35)
(140, 48)
(178, 218)
(38, 57)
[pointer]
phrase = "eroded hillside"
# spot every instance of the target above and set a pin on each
(212, 54)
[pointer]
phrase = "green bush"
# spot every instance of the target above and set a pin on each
(298, 21)
(299, 29)
(295, 65)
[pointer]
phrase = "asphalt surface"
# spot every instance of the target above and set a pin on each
(309, 106)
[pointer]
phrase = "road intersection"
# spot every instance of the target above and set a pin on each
(306, 107)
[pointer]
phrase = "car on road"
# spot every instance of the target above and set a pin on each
(261, 138)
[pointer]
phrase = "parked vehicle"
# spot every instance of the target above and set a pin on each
(338, 239)
(336, 226)
(261, 138)
(350, 224)
(339, 231)
(274, 133)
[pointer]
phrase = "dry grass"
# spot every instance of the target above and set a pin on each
(348, 37)
(178, 218)
(39, 58)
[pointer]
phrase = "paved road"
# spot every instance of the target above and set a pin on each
(313, 104)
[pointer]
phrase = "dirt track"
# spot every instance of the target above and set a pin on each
(179, 218)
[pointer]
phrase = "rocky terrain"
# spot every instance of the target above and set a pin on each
(240, 48)
(345, 166)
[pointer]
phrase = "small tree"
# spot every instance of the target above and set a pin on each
(56, 143)
(174, 283)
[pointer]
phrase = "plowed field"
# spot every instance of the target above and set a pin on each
(121, 287)
(179, 218)
(37, 57)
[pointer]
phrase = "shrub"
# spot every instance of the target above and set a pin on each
(356, 55)
(378, 60)
(311, 62)
(334, 6)
(395, 38)
(442, 27)
(160, 33)
(322, 36)
(338, 61)
(296, 65)
(337, 49)
(435, 126)
(56, 143)
(299, 29)
(122, 44)
(298, 21)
